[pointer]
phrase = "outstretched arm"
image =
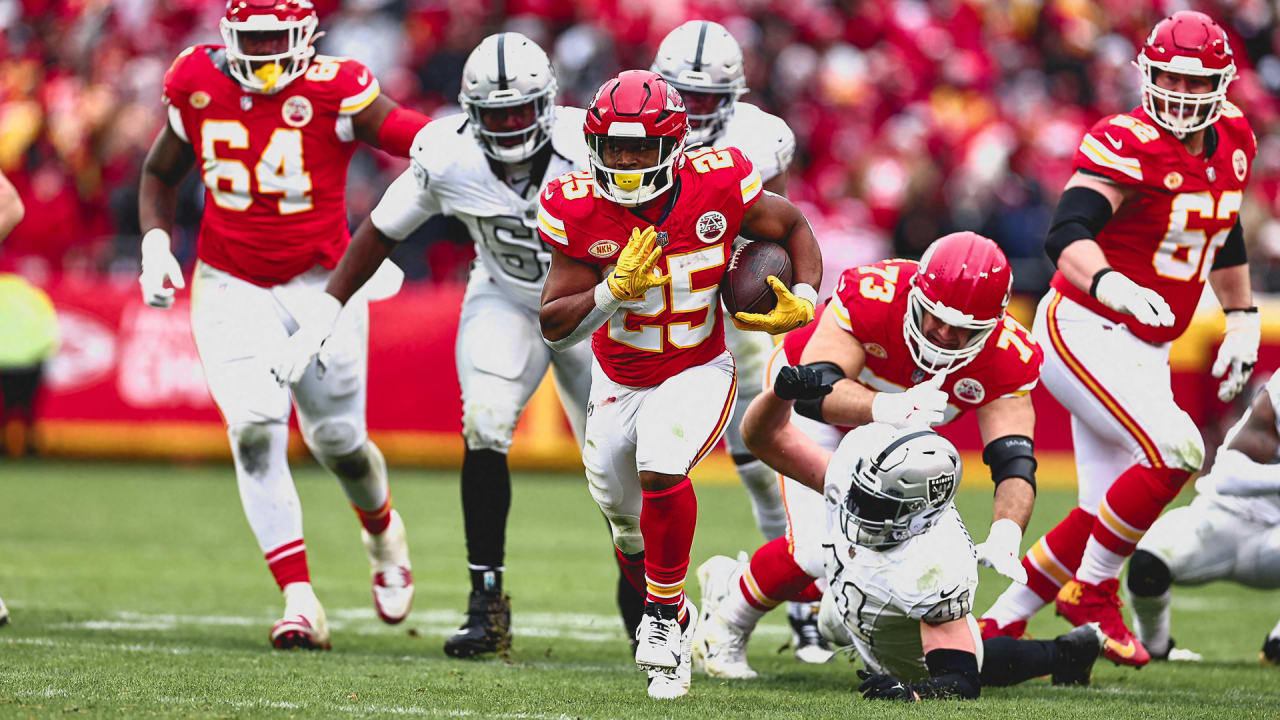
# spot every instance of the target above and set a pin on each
(386, 125)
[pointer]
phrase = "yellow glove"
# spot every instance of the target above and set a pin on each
(790, 313)
(636, 272)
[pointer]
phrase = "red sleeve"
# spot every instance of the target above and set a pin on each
(867, 297)
(1123, 149)
(348, 82)
(553, 208)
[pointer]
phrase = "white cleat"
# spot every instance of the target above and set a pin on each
(4, 613)
(716, 577)
(392, 579)
(658, 637)
(810, 646)
(671, 684)
(720, 649)
(303, 625)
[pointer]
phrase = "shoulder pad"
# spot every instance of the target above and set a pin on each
(1237, 130)
(180, 76)
(440, 142)
(765, 138)
(348, 83)
(567, 139)
(565, 201)
(1117, 147)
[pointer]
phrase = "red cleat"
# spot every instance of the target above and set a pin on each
(1080, 603)
(991, 629)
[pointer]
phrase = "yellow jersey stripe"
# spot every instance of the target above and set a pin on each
(356, 103)
(1098, 153)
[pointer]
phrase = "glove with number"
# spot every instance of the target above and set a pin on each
(1000, 551)
(800, 383)
(1124, 295)
(294, 357)
(884, 687)
(158, 266)
(1239, 351)
(791, 312)
(924, 405)
(636, 272)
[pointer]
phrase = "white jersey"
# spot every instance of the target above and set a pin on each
(765, 139)
(882, 596)
(450, 175)
(1263, 509)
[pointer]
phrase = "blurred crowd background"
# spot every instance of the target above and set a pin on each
(913, 117)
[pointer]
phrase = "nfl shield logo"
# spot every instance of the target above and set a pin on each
(246, 103)
(940, 488)
(917, 376)
(662, 238)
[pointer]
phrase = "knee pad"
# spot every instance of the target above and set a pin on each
(626, 532)
(253, 445)
(334, 437)
(355, 465)
(1149, 576)
(1180, 443)
(486, 426)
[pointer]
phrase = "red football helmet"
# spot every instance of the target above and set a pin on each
(963, 280)
(268, 41)
(1187, 43)
(633, 114)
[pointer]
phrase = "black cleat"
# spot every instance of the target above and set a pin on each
(1271, 650)
(1078, 649)
(487, 629)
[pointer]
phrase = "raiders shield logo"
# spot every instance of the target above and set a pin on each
(940, 488)
(296, 111)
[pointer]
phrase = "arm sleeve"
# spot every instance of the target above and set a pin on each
(1081, 214)
(1233, 252)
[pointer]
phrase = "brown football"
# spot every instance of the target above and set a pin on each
(744, 287)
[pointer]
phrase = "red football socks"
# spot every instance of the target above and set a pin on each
(288, 563)
(667, 521)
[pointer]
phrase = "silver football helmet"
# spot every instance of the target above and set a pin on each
(900, 482)
(702, 60)
(509, 93)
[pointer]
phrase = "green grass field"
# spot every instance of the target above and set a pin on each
(138, 591)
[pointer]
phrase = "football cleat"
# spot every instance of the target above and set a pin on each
(720, 649)
(1078, 650)
(992, 629)
(487, 629)
(658, 637)
(303, 625)
(1081, 603)
(810, 646)
(1271, 650)
(671, 684)
(392, 579)
(1173, 653)
(4, 613)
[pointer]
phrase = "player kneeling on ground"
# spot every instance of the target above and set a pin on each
(900, 566)
(1231, 531)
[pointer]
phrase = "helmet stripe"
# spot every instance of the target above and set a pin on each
(702, 39)
(894, 445)
(502, 61)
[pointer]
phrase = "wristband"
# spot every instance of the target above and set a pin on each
(1093, 286)
(805, 291)
(606, 301)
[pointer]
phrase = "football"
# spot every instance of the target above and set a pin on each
(745, 287)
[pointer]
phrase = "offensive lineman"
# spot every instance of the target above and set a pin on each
(274, 126)
(1149, 216)
(1231, 531)
(703, 61)
(521, 138)
(888, 326)
(662, 387)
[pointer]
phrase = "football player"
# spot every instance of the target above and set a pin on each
(904, 343)
(1231, 531)
(1149, 216)
(703, 61)
(639, 245)
(11, 212)
(519, 138)
(899, 563)
(273, 126)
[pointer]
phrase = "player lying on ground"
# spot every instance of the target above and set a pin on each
(273, 126)
(900, 566)
(1150, 215)
(639, 245)
(888, 327)
(1231, 531)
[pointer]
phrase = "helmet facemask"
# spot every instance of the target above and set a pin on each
(1182, 113)
(252, 55)
(875, 518)
(512, 146)
(934, 358)
(633, 186)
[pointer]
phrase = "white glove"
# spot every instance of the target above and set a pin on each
(1238, 475)
(1000, 551)
(294, 357)
(159, 265)
(1239, 352)
(921, 406)
(1124, 295)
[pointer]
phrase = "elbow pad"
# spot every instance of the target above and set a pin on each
(1011, 456)
(1080, 215)
(952, 674)
(1232, 253)
(828, 374)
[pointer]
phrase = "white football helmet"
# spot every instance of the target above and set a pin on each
(702, 57)
(900, 481)
(286, 28)
(508, 70)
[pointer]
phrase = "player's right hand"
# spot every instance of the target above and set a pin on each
(293, 358)
(158, 266)
(924, 405)
(800, 382)
(636, 272)
(1124, 295)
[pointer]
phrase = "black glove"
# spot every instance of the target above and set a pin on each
(884, 687)
(801, 382)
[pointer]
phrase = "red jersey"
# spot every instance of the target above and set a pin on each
(676, 326)
(274, 166)
(870, 303)
(1166, 235)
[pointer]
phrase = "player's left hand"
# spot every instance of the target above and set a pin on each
(291, 362)
(800, 382)
(1239, 351)
(1000, 551)
(884, 687)
(790, 313)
